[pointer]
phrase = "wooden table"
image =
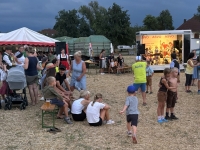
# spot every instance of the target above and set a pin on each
(91, 63)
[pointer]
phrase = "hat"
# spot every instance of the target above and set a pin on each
(44, 59)
(138, 58)
(131, 89)
(62, 67)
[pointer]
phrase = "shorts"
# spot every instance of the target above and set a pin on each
(79, 117)
(97, 124)
(31, 79)
(149, 81)
(162, 96)
(57, 102)
(142, 86)
(102, 63)
(171, 99)
(133, 118)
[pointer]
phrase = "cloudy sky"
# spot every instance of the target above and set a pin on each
(40, 14)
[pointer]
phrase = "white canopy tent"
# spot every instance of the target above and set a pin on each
(28, 37)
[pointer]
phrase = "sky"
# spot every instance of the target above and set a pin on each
(40, 14)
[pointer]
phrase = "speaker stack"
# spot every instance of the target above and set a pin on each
(59, 46)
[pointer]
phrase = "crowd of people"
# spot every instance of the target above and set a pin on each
(56, 87)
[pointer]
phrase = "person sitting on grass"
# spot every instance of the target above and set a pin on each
(97, 112)
(131, 108)
(79, 106)
(56, 99)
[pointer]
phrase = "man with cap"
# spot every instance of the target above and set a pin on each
(61, 81)
(6, 58)
(139, 71)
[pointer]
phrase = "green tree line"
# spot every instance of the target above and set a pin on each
(113, 22)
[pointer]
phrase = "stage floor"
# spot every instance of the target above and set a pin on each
(162, 67)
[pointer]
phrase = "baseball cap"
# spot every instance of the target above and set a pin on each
(131, 89)
(62, 67)
(138, 58)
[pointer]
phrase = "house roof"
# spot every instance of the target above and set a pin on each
(191, 24)
(48, 32)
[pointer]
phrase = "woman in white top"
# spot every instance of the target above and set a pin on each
(97, 112)
(63, 59)
(79, 106)
(19, 56)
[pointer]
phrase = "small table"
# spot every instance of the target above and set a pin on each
(91, 63)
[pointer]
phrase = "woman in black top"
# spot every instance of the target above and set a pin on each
(31, 66)
(120, 60)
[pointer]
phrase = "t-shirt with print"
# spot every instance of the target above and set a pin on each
(93, 112)
(139, 70)
(149, 71)
(60, 78)
(132, 103)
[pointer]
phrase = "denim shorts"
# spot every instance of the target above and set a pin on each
(142, 86)
(57, 102)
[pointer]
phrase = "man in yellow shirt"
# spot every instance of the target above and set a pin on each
(139, 71)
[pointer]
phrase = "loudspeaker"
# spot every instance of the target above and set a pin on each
(176, 44)
(186, 49)
(60, 46)
(141, 49)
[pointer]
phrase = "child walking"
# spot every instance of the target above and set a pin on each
(149, 74)
(172, 95)
(162, 95)
(131, 108)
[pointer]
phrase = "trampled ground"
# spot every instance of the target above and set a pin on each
(21, 130)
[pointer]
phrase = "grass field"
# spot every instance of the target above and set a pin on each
(21, 130)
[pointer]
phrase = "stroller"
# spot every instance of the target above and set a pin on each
(16, 81)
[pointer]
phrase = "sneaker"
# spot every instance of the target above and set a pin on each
(198, 92)
(167, 118)
(42, 98)
(151, 93)
(164, 120)
(173, 117)
(110, 122)
(144, 104)
(67, 119)
(129, 133)
(160, 121)
(134, 140)
(147, 92)
(104, 122)
(102, 73)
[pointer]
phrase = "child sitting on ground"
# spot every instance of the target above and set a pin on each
(131, 107)
(162, 95)
(172, 94)
(149, 74)
(56, 99)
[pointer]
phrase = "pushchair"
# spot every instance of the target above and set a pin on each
(16, 81)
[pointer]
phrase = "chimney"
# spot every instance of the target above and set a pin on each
(184, 21)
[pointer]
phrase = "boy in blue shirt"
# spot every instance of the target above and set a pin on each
(131, 107)
(149, 74)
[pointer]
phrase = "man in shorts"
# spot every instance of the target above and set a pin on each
(139, 70)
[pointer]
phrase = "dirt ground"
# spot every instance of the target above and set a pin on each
(21, 130)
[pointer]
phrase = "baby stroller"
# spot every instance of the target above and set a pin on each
(16, 81)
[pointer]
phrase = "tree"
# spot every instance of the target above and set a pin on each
(198, 12)
(165, 21)
(150, 23)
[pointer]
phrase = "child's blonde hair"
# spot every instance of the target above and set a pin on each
(174, 69)
(96, 97)
(84, 93)
(50, 80)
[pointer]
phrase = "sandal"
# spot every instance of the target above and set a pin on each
(56, 129)
(59, 117)
(144, 104)
(51, 130)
